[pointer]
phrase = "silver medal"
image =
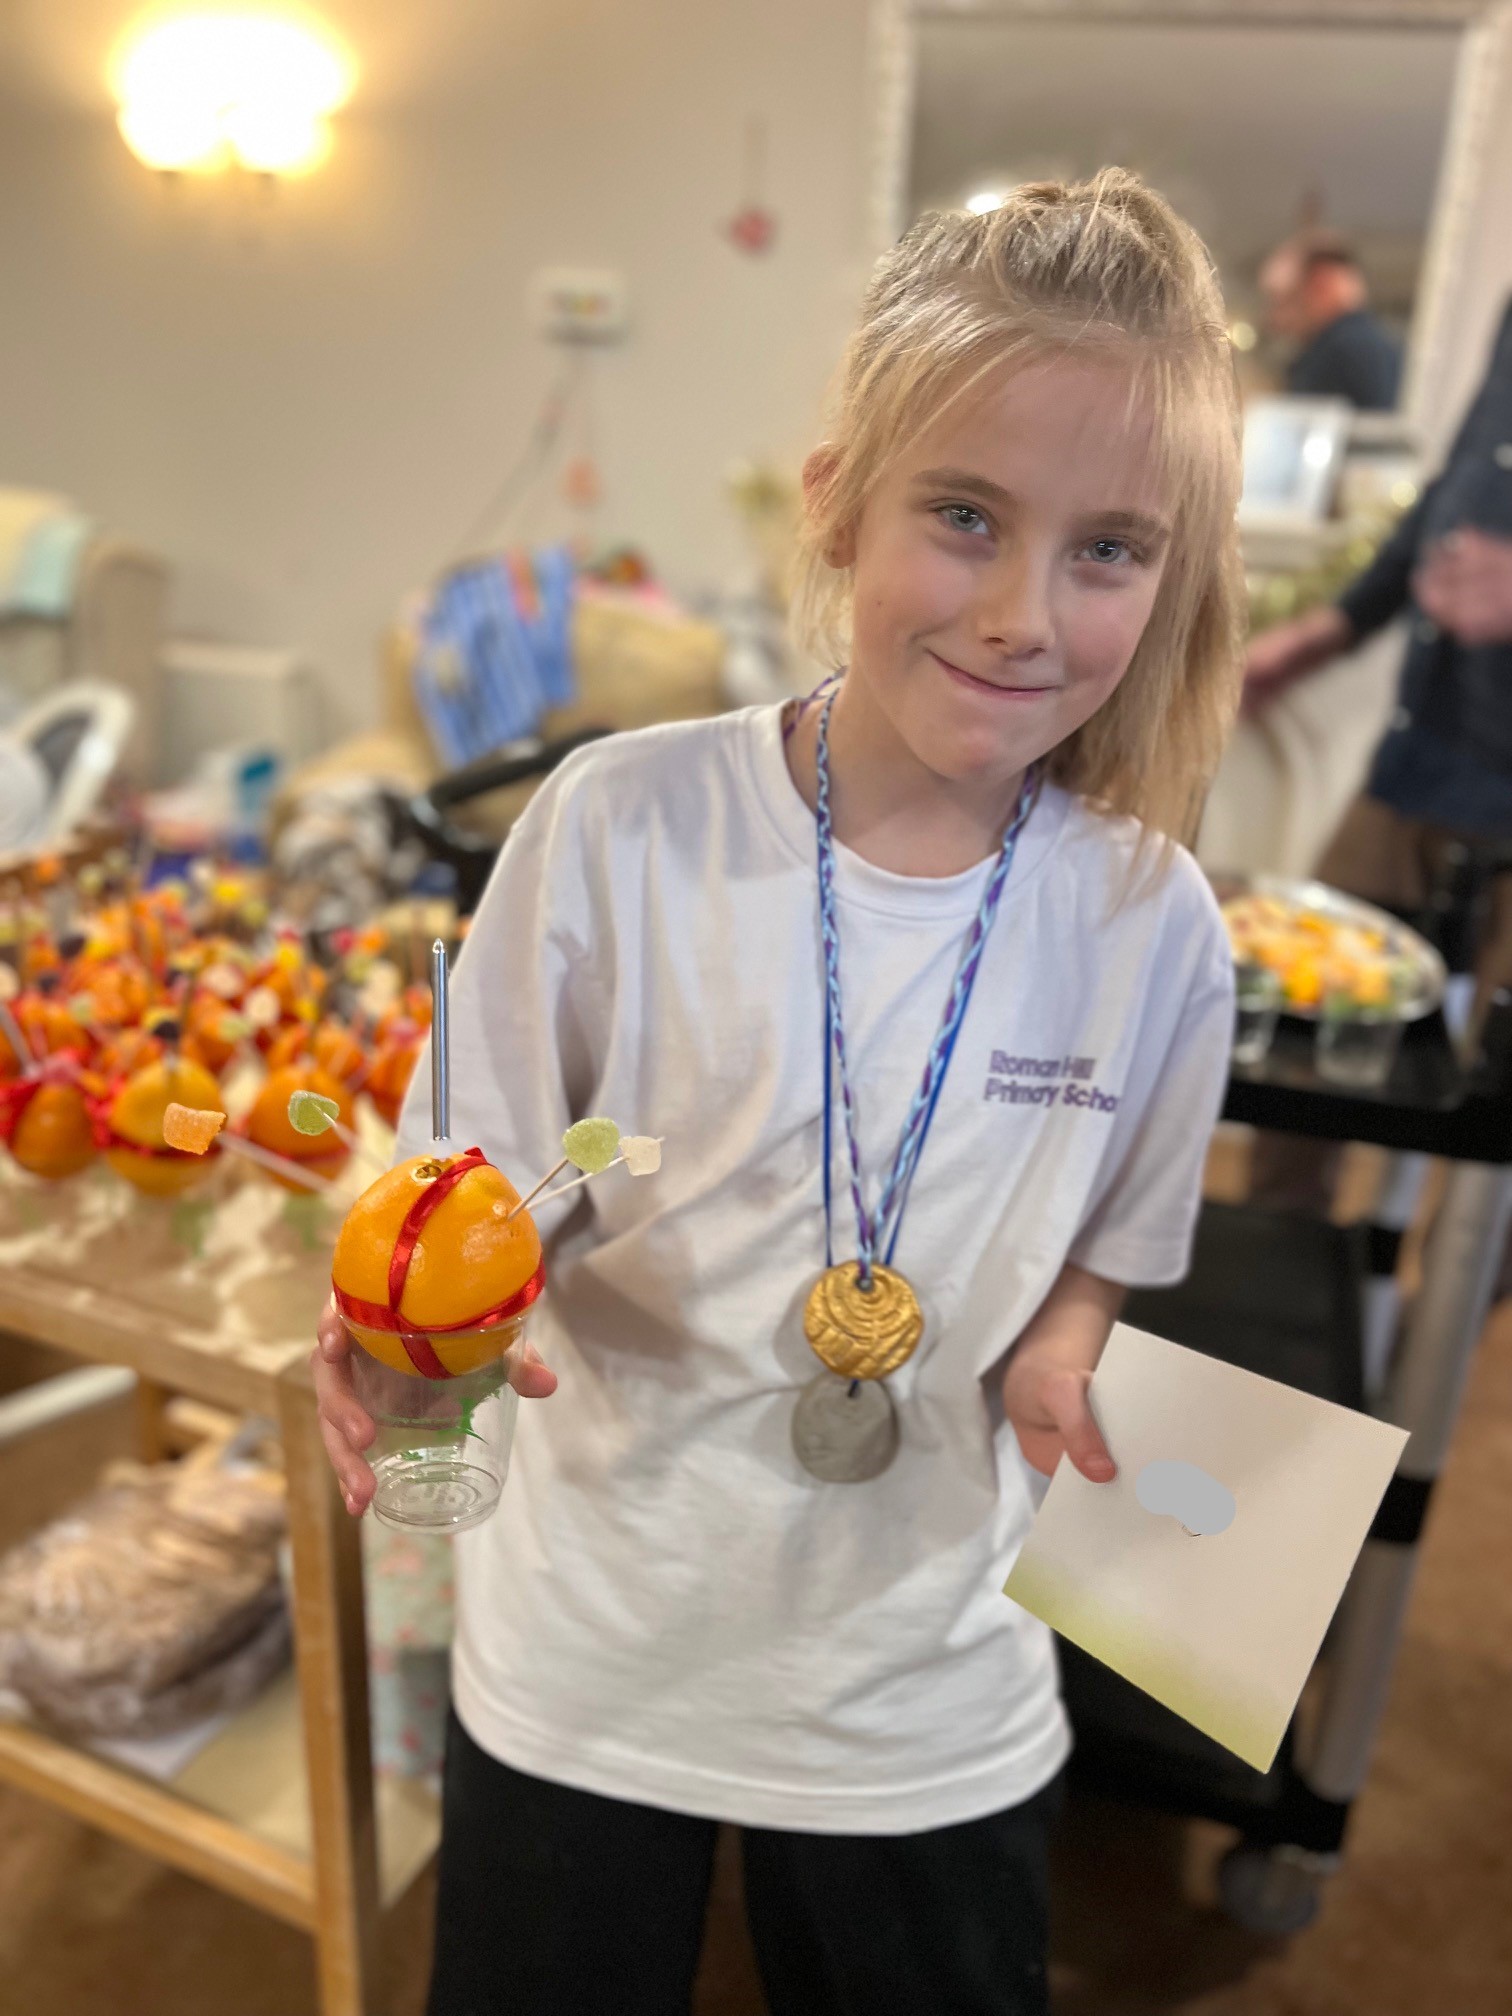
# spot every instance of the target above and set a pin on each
(844, 1430)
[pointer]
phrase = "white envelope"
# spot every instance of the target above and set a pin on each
(1221, 1626)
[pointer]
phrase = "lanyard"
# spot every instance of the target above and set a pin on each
(870, 1230)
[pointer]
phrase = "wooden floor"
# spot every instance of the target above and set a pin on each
(1419, 1920)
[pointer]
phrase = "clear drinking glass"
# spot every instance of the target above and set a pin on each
(441, 1453)
(1257, 1005)
(1358, 1038)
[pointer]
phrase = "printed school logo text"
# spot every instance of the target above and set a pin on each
(1048, 1081)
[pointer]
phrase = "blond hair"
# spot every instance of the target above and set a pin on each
(1098, 269)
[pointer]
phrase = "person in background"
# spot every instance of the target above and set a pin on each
(1316, 296)
(1442, 774)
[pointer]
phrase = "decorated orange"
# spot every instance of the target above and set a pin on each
(269, 1125)
(48, 1028)
(39, 957)
(119, 991)
(127, 1051)
(413, 1006)
(48, 1126)
(212, 1032)
(136, 1149)
(338, 1051)
(287, 1044)
(432, 1275)
(392, 1068)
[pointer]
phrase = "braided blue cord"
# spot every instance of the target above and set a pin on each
(869, 1229)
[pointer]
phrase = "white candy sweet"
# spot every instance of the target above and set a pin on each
(642, 1155)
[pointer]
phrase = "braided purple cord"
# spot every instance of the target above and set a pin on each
(869, 1230)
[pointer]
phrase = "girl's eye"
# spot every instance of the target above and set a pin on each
(1110, 552)
(963, 517)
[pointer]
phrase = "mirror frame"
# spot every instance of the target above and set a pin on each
(1485, 47)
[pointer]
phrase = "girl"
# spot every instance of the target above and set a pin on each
(933, 1014)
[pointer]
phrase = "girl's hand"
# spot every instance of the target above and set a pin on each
(1050, 1369)
(1046, 1400)
(347, 1430)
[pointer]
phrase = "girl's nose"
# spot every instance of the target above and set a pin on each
(1015, 615)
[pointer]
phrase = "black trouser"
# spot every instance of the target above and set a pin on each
(555, 1902)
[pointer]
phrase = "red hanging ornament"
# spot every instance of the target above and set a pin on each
(753, 227)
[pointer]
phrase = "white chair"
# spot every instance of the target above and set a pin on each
(79, 734)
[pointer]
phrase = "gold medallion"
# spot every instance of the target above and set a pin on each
(861, 1333)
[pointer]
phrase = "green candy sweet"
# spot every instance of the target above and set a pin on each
(311, 1112)
(591, 1145)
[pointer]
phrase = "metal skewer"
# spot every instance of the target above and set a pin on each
(10, 1028)
(440, 1051)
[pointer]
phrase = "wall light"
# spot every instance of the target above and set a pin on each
(985, 200)
(201, 90)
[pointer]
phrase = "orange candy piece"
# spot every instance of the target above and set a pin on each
(191, 1128)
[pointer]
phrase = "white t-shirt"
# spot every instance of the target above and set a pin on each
(666, 1608)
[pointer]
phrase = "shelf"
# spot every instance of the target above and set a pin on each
(252, 1773)
(237, 1815)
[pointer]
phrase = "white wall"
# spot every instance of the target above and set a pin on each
(306, 417)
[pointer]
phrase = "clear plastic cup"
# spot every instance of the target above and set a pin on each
(441, 1453)
(1257, 1007)
(1357, 1039)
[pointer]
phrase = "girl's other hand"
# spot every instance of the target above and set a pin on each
(346, 1429)
(1046, 1401)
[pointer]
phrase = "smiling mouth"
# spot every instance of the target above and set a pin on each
(988, 685)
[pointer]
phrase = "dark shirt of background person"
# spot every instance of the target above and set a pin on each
(1316, 295)
(1447, 754)
(1354, 358)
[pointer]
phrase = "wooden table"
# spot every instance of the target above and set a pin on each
(217, 1298)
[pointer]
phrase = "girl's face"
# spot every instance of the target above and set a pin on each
(1005, 568)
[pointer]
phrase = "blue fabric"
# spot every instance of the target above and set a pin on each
(1424, 778)
(1355, 358)
(488, 669)
(1448, 754)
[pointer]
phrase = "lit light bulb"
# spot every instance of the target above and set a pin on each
(983, 201)
(277, 139)
(202, 85)
(1243, 335)
(172, 134)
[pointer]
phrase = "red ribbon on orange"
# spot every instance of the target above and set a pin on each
(380, 1316)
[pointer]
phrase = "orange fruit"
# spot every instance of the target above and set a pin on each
(269, 1125)
(48, 1026)
(128, 1051)
(40, 956)
(391, 1070)
(338, 1051)
(469, 1258)
(289, 1043)
(211, 1032)
(414, 1005)
(135, 1117)
(54, 1137)
(120, 993)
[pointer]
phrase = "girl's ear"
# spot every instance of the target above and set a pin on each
(818, 474)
